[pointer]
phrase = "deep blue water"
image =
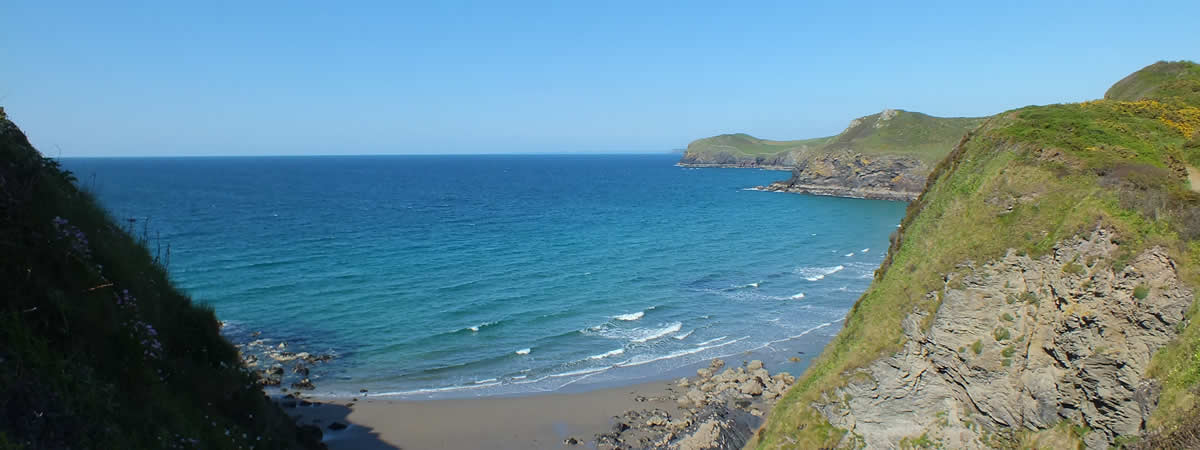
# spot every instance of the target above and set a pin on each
(482, 275)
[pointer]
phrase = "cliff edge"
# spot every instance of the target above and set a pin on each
(1039, 293)
(97, 348)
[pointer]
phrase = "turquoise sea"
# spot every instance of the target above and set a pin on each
(442, 276)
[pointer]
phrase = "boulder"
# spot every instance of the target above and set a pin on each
(751, 387)
(271, 380)
(761, 374)
(304, 384)
(716, 364)
(696, 397)
(754, 365)
(727, 375)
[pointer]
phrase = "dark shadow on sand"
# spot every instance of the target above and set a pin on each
(325, 415)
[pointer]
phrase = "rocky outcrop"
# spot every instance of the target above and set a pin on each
(300, 364)
(716, 410)
(731, 159)
(850, 174)
(1020, 345)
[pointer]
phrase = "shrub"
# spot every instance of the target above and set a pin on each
(977, 347)
(1073, 268)
(1141, 292)
(1000, 333)
(1030, 297)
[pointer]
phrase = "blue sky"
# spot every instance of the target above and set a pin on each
(242, 78)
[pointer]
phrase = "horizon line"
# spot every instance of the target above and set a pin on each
(328, 155)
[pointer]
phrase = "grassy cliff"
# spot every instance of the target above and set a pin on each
(1023, 182)
(891, 132)
(744, 144)
(97, 348)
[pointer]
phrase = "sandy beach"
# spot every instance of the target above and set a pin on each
(534, 421)
(714, 391)
(719, 407)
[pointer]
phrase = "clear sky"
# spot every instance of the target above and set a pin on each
(240, 78)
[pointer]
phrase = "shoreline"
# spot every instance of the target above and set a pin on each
(838, 191)
(711, 409)
(284, 373)
(825, 190)
(542, 420)
(719, 395)
(733, 166)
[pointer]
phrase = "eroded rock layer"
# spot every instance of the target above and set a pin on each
(1023, 344)
(849, 174)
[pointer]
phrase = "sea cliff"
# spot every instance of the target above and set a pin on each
(885, 156)
(1038, 294)
(855, 175)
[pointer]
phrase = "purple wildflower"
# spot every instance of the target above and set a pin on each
(73, 235)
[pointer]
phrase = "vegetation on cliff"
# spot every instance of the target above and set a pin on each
(97, 349)
(890, 132)
(1027, 180)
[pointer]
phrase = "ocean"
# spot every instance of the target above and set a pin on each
(445, 276)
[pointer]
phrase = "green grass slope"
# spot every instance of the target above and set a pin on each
(922, 136)
(1121, 164)
(97, 349)
(742, 143)
(1162, 79)
(891, 132)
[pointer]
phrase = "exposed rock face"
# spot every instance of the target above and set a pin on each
(849, 174)
(735, 160)
(1023, 344)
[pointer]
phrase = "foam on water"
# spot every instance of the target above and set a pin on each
(475, 329)
(711, 341)
(652, 334)
(818, 273)
(524, 351)
(650, 359)
(608, 354)
(630, 317)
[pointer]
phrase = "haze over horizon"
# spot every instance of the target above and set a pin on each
(313, 78)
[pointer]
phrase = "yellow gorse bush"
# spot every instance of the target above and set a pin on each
(1185, 120)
